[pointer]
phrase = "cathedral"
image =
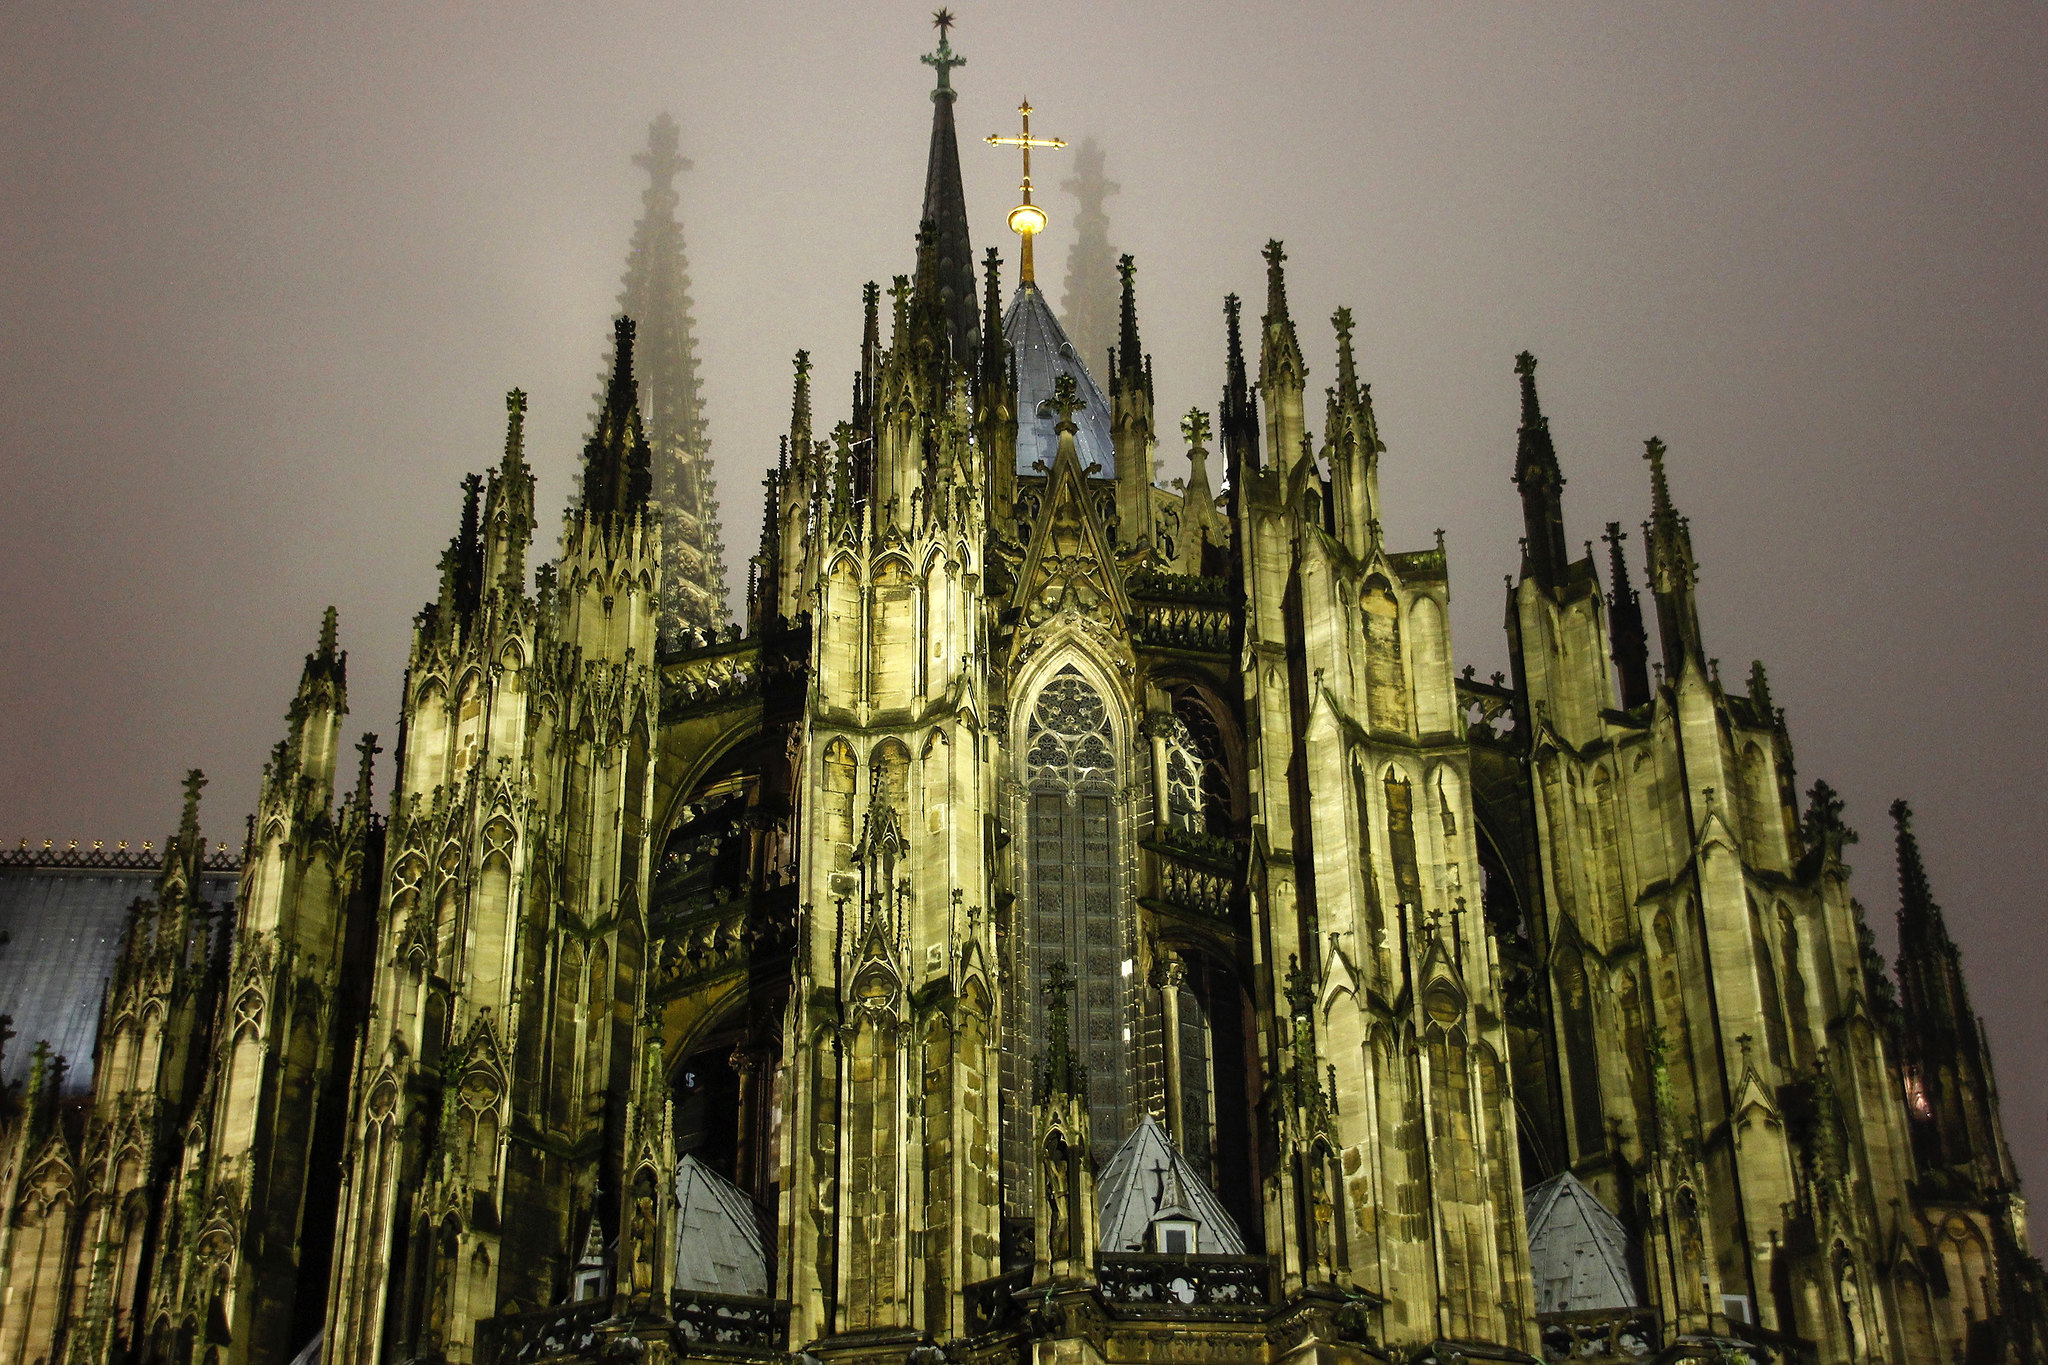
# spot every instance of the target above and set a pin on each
(1059, 919)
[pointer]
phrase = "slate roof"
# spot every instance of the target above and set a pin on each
(1043, 354)
(1147, 1178)
(718, 1235)
(63, 932)
(1578, 1251)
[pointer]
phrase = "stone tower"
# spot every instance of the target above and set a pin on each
(656, 295)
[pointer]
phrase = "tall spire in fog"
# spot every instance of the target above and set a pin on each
(656, 295)
(1088, 307)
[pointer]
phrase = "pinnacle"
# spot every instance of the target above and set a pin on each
(1347, 363)
(1532, 411)
(327, 634)
(1916, 896)
(188, 823)
(1276, 282)
(1660, 487)
(515, 429)
(1128, 352)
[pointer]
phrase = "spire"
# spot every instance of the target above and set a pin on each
(994, 360)
(366, 769)
(1347, 364)
(1544, 556)
(945, 206)
(1129, 364)
(1672, 570)
(800, 410)
(1236, 414)
(1280, 361)
(1282, 372)
(1922, 928)
(1953, 1097)
(508, 506)
(1091, 263)
(655, 293)
(188, 822)
(1626, 638)
(1353, 440)
(870, 358)
(616, 459)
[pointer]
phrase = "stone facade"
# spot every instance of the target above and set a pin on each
(1033, 806)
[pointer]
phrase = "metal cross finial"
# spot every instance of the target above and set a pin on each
(945, 59)
(1027, 219)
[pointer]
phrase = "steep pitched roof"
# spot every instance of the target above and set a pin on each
(1043, 355)
(1578, 1251)
(1148, 1178)
(718, 1235)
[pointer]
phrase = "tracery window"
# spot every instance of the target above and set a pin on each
(1071, 785)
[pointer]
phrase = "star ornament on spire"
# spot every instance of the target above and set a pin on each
(945, 59)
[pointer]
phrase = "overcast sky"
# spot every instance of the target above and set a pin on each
(268, 271)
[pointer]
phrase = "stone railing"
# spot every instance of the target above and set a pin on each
(568, 1329)
(992, 1304)
(1600, 1335)
(718, 674)
(1198, 873)
(120, 858)
(1153, 1282)
(726, 1320)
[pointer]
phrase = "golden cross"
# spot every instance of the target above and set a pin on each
(1027, 219)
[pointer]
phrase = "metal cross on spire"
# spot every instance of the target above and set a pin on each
(1027, 219)
(945, 59)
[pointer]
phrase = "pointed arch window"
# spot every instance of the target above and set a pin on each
(1074, 912)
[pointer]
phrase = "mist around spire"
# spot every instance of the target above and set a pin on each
(655, 293)
(1088, 303)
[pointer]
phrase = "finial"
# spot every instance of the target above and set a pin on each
(945, 59)
(1027, 220)
(1066, 401)
(328, 634)
(1194, 428)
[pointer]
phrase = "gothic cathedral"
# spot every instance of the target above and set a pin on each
(1065, 920)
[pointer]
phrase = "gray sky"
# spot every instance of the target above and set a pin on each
(266, 272)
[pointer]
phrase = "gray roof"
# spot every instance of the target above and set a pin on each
(1148, 1178)
(1578, 1251)
(718, 1235)
(63, 933)
(1043, 354)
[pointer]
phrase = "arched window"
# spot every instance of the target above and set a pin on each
(1074, 917)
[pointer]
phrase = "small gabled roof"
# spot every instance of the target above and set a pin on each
(1578, 1251)
(1149, 1179)
(718, 1235)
